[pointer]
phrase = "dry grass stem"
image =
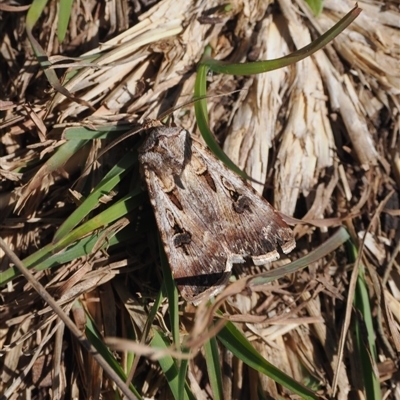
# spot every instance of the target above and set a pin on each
(323, 135)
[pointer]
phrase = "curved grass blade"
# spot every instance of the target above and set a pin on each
(340, 237)
(258, 67)
(249, 69)
(200, 107)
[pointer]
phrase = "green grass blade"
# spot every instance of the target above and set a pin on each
(365, 334)
(34, 12)
(97, 341)
(79, 249)
(101, 132)
(171, 290)
(236, 342)
(63, 18)
(316, 6)
(340, 237)
(172, 295)
(249, 69)
(113, 177)
(214, 368)
(111, 214)
(200, 108)
(32, 17)
(258, 67)
(114, 212)
(63, 154)
(182, 367)
(169, 366)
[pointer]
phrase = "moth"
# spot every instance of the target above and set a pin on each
(208, 217)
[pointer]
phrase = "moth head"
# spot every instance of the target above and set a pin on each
(166, 149)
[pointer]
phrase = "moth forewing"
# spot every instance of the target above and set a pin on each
(208, 217)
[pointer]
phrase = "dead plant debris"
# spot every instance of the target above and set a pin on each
(324, 136)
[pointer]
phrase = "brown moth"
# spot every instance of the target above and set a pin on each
(208, 217)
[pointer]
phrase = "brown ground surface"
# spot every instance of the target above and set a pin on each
(324, 136)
